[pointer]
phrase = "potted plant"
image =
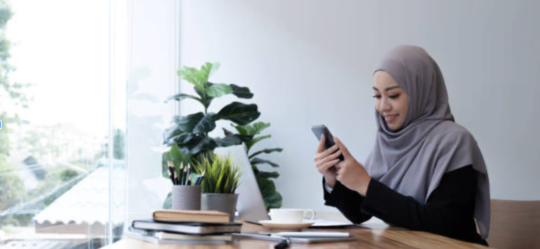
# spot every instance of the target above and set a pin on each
(219, 181)
(272, 198)
(188, 136)
(191, 132)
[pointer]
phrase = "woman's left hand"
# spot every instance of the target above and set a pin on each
(351, 173)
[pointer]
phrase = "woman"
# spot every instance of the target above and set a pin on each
(425, 172)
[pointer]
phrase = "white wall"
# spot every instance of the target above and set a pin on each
(310, 62)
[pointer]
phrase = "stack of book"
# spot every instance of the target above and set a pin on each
(185, 227)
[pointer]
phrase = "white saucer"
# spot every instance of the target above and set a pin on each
(286, 226)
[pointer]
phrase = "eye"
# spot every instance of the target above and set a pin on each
(377, 96)
(395, 96)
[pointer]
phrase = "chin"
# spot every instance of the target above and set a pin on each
(395, 127)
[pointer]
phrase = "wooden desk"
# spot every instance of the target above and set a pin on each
(368, 237)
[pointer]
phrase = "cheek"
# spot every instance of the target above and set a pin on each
(377, 105)
(403, 108)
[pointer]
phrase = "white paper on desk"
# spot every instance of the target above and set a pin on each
(310, 234)
(328, 223)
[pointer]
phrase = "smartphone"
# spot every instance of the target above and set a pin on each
(319, 130)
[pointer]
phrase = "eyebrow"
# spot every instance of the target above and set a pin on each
(387, 89)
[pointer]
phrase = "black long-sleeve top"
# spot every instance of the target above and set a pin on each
(449, 210)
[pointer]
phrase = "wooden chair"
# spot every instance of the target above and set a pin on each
(514, 224)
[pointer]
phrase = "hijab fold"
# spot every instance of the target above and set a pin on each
(413, 160)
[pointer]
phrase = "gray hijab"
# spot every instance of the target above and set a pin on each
(413, 159)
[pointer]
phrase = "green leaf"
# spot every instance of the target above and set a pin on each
(203, 144)
(267, 175)
(241, 129)
(259, 127)
(196, 123)
(218, 90)
(182, 96)
(193, 76)
(184, 138)
(176, 157)
(241, 92)
(205, 99)
(252, 130)
(267, 151)
(205, 125)
(245, 139)
(255, 169)
(256, 140)
(209, 69)
(272, 198)
(227, 132)
(187, 123)
(228, 141)
(239, 113)
(257, 160)
(221, 176)
(198, 77)
(170, 133)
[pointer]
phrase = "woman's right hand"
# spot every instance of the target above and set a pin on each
(326, 160)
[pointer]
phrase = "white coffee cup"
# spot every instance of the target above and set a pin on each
(291, 215)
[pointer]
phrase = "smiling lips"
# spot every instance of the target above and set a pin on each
(390, 118)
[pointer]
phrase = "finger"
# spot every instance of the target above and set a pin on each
(342, 147)
(331, 157)
(326, 153)
(325, 166)
(320, 148)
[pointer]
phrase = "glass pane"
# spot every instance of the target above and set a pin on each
(151, 78)
(57, 136)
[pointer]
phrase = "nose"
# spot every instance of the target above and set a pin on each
(384, 105)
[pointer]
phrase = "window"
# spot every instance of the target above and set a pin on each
(62, 152)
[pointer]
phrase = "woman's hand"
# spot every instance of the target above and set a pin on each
(325, 161)
(350, 172)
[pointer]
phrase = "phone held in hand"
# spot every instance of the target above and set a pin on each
(319, 130)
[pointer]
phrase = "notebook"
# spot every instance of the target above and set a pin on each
(196, 228)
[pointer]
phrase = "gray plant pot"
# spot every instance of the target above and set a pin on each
(186, 197)
(220, 202)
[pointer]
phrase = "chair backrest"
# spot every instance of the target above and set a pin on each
(514, 224)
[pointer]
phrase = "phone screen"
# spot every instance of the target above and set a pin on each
(320, 130)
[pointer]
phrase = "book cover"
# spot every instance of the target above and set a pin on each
(191, 215)
(196, 228)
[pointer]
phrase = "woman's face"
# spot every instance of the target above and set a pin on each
(391, 100)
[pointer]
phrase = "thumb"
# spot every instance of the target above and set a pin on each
(342, 147)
